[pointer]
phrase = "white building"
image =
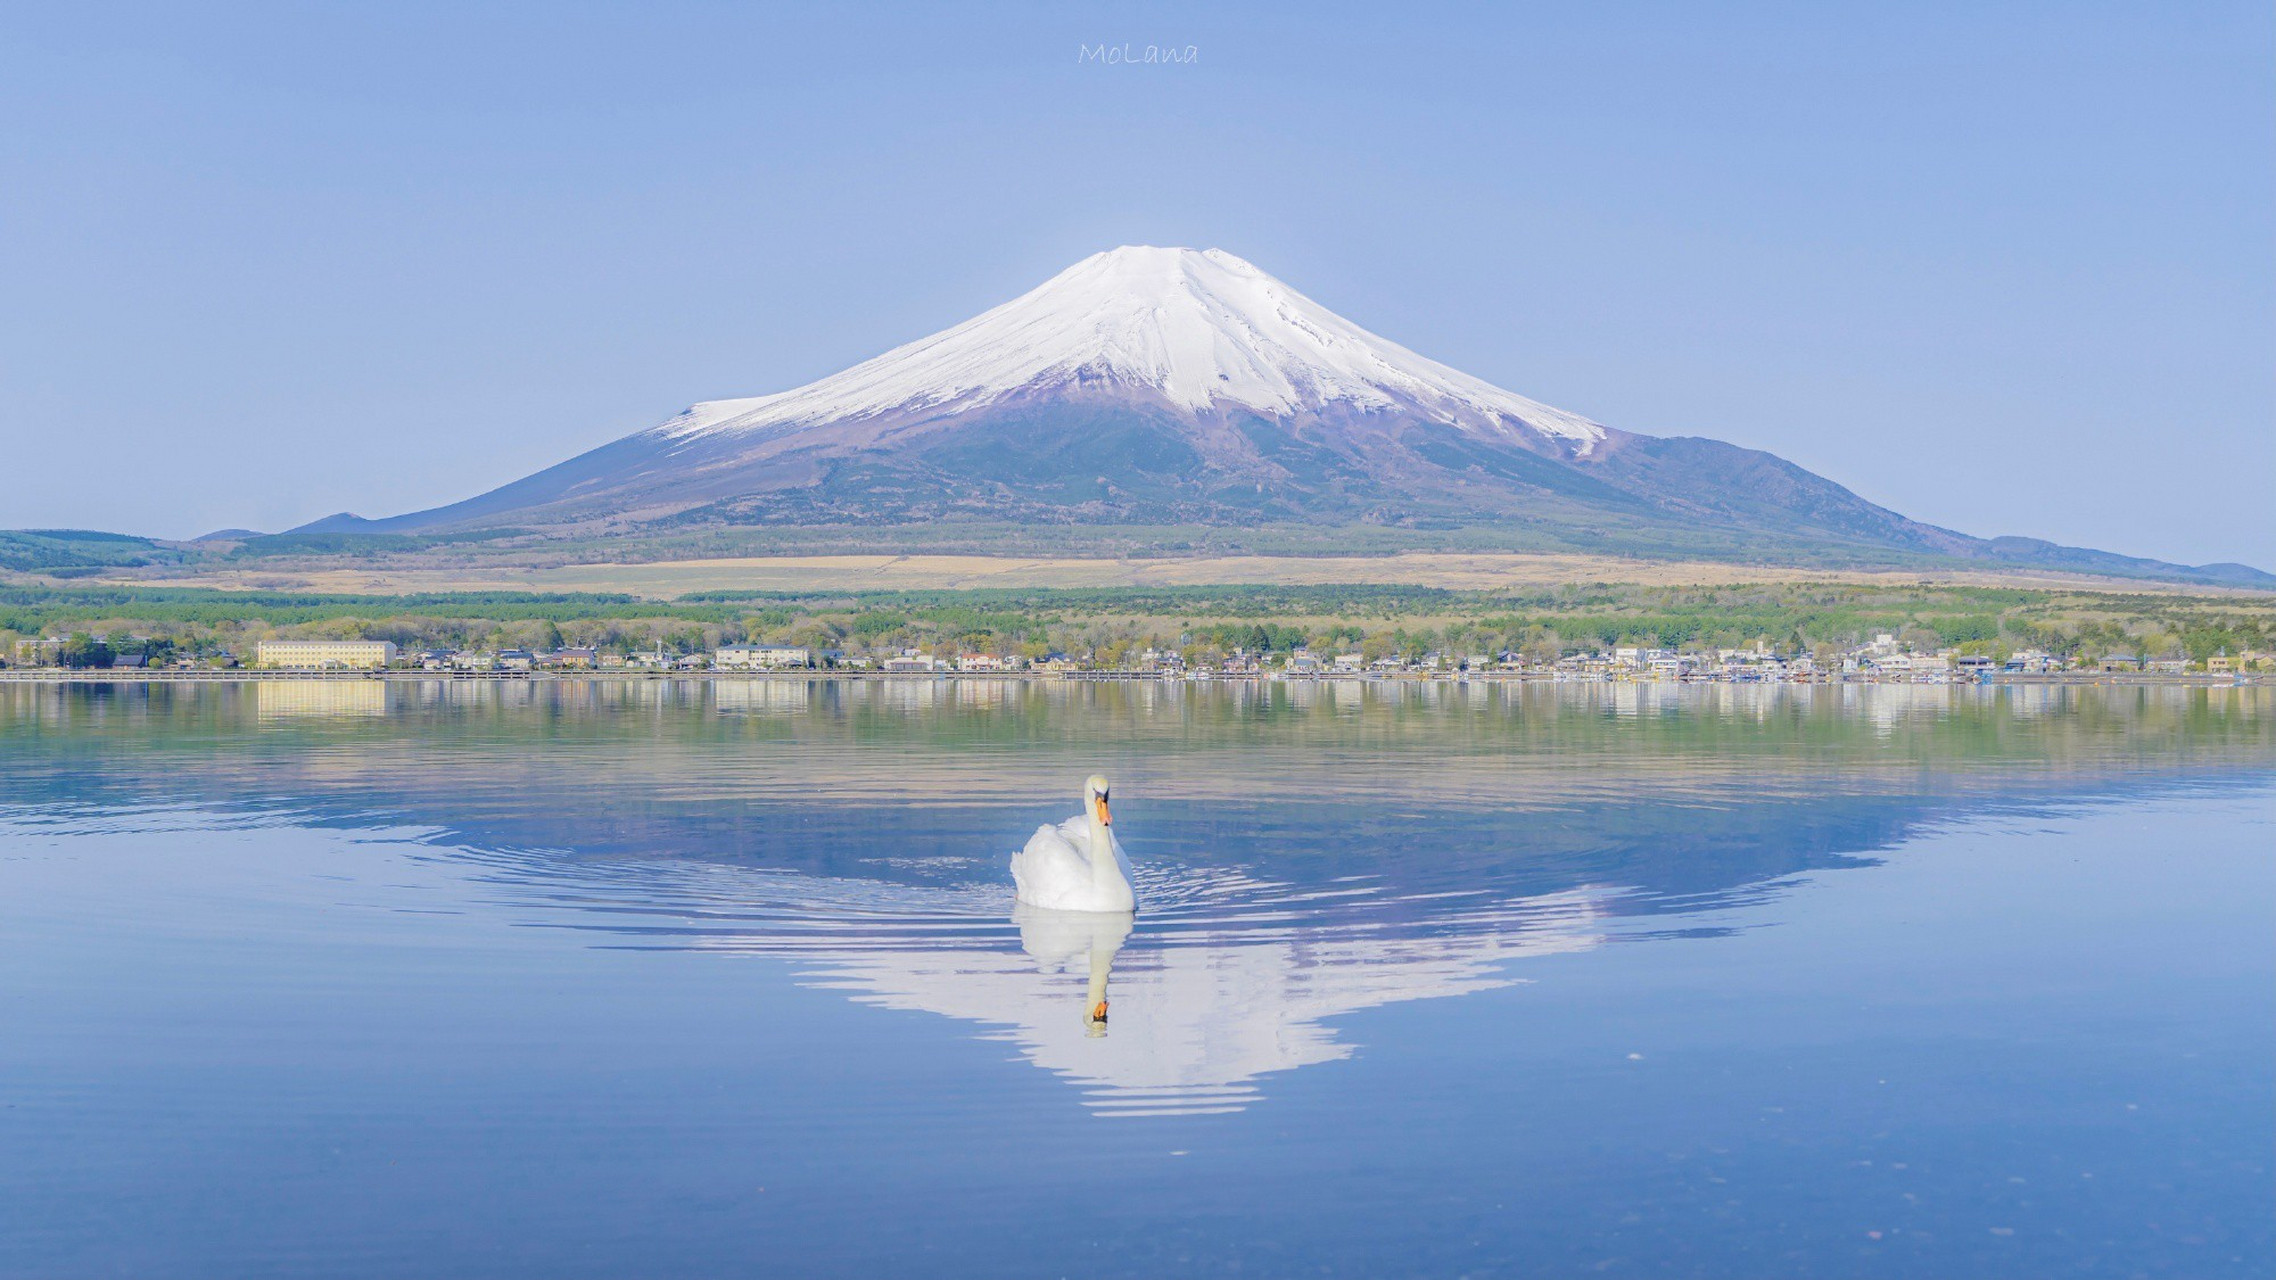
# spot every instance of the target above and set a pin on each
(319, 654)
(761, 657)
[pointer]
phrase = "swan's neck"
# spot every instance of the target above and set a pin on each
(1104, 872)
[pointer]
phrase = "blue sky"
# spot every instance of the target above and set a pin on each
(2010, 269)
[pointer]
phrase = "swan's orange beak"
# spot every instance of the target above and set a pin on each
(1105, 816)
(1098, 1012)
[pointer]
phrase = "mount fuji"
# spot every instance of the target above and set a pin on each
(1163, 388)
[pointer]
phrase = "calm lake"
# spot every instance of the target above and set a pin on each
(664, 978)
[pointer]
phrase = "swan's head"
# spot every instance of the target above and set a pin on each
(1094, 800)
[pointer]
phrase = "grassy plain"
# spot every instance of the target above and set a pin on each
(1454, 571)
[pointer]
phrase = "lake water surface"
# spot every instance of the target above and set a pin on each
(666, 978)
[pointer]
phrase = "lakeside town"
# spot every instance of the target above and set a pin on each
(1884, 660)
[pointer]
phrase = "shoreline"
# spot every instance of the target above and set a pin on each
(2201, 680)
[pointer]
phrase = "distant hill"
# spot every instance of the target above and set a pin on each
(1150, 388)
(82, 552)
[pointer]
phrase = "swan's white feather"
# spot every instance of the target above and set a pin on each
(1054, 870)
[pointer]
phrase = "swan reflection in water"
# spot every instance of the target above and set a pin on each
(1076, 941)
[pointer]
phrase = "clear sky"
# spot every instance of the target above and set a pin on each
(2011, 269)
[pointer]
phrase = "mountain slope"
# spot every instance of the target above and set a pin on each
(1158, 387)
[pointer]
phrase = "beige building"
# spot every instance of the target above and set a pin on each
(761, 657)
(324, 653)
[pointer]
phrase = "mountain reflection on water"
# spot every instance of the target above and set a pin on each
(1221, 979)
(1302, 850)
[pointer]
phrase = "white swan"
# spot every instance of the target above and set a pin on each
(1077, 865)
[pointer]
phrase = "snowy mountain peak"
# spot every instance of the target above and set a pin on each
(1203, 330)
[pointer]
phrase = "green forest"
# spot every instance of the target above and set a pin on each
(1107, 622)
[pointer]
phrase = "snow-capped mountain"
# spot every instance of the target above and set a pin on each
(1203, 331)
(1149, 389)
